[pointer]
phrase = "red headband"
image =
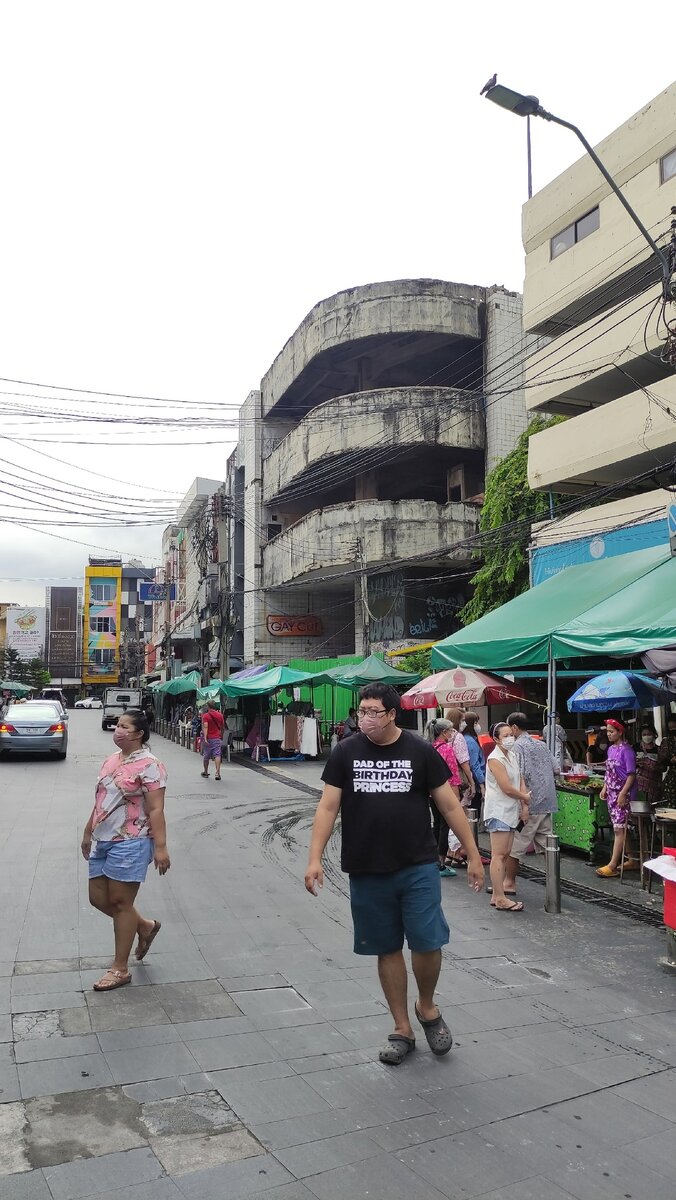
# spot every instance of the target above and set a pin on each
(616, 725)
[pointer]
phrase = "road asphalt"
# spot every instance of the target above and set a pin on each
(242, 1061)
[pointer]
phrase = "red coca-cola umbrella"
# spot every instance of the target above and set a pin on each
(457, 687)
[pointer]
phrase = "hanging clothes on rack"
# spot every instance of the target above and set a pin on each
(276, 728)
(309, 743)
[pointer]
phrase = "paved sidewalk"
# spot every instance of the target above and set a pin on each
(243, 1059)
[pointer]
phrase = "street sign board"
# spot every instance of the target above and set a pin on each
(156, 592)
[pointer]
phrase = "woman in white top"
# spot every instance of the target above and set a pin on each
(505, 805)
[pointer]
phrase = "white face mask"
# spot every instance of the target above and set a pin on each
(463, 726)
(507, 742)
(477, 728)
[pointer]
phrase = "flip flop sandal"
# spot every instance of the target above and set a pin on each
(489, 891)
(518, 907)
(399, 1049)
(119, 980)
(205, 774)
(439, 1036)
(144, 943)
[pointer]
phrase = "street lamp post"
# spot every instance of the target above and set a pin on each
(529, 106)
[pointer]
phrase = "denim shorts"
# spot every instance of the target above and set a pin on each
(126, 861)
(493, 825)
(385, 908)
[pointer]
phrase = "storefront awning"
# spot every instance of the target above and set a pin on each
(620, 606)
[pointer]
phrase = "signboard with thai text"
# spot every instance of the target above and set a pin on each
(155, 592)
(26, 631)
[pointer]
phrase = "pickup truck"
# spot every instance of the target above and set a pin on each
(116, 700)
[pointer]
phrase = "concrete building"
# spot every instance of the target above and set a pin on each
(115, 621)
(364, 451)
(185, 629)
(592, 298)
(64, 638)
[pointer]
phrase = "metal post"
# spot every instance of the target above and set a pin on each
(473, 818)
(552, 874)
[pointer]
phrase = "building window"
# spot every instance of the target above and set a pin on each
(567, 237)
(102, 658)
(102, 625)
(668, 166)
(102, 592)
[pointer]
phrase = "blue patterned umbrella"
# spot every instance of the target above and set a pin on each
(617, 690)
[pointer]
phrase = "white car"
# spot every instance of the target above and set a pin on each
(89, 702)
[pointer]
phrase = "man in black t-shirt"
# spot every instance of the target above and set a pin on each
(381, 780)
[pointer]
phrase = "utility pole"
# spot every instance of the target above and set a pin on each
(363, 592)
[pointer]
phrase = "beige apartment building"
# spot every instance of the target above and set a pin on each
(592, 300)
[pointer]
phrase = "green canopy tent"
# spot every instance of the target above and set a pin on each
(622, 606)
(180, 685)
(372, 670)
(19, 689)
(258, 685)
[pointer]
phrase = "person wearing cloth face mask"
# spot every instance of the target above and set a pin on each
(648, 769)
(381, 780)
(124, 834)
(439, 732)
(505, 806)
(618, 790)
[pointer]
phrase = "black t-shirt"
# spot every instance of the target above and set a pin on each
(385, 801)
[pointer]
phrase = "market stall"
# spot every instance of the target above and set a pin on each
(582, 815)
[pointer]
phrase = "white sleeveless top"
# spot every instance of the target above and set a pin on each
(497, 804)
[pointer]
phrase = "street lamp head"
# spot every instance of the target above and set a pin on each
(523, 106)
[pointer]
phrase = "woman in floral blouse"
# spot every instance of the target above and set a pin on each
(124, 834)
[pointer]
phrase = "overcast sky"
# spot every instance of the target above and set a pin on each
(183, 182)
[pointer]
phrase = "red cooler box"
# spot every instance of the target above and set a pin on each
(670, 896)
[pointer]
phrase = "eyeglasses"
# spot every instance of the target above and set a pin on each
(371, 712)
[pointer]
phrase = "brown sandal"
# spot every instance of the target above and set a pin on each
(117, 979)
(144, 943)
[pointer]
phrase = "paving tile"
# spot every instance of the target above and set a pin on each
(298, 1131)
(131, 1039)
(313, 1158)
(177, 968)
(614, 1120)
(325, 1062)
(469, 1160)
(366, 1031)
(119, 1015)
(398, 1135)
(269, 1000)
(202, 1000)
(64, 1075)
(40, 1002)
(655, 1092)
(72, 1021)
(616, 1068)
(252, 983)
(252, 1074)
(191, 1031)
(91, 1177)
(81, 1125)
(6, 1028)
(381, 1178)
(235, 1050)
(184, 1153)
(235, 1180)
(157, 1189)
(57, 981)
(46, 966)
(612, 1174)
(263, 1100)
(153, 1062)
(537, 1188)
(9, 1083)
(41, 1049)
(287, 1020)
(290, 1191)
(306, 1040)
(7, 969)
(29, 1186)
(13, 1151)
(656, 1152)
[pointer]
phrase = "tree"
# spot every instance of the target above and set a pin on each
(37, 674)
(504, 570)
(11, 666)
(419, 663)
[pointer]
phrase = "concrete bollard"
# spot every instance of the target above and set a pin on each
(552, 874)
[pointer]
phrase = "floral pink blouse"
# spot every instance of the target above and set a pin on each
(119, 807)
(448, 754)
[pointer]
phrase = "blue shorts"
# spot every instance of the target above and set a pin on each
(385, 908)
(126, 861)
(493, 825)
(213, 748)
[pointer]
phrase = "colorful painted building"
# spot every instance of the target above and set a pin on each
(102, 620)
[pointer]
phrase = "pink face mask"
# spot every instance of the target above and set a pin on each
(369, 724)
(123, 737)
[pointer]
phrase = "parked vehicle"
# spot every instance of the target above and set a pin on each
(54, 693)
(55, 704)
(116, 700)
(89, 702)
(33, 728)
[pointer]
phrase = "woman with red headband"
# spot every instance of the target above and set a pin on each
(618, 791)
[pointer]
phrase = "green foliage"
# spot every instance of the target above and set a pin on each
(33, 673)
(504, 570)
(419, 663)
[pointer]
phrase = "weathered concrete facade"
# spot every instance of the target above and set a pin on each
(365, 450)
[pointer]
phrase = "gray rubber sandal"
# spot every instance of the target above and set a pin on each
(439, 1036)
(399, 1049)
